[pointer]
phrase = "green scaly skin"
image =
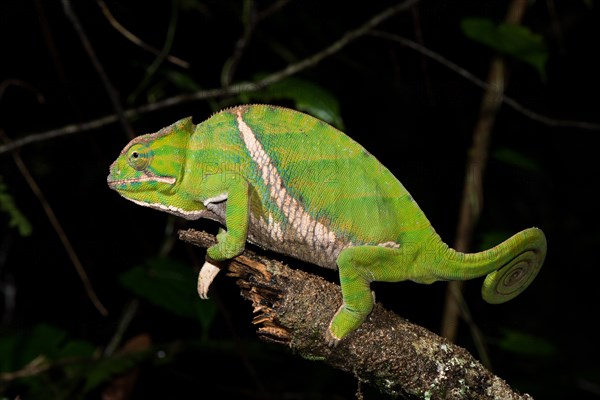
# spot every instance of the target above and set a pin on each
(293, 184)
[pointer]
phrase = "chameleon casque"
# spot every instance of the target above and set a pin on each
(291, 183)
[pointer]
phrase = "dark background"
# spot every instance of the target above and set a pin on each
(415, 115)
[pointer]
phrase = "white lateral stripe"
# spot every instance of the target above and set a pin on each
(307, 227)
(164, 179)
(215, 199)
(171, 209)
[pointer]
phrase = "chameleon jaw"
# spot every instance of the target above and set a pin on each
(148, 178)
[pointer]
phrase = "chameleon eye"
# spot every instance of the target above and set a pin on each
(139, 156)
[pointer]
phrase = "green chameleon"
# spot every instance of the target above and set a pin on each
(291, 183)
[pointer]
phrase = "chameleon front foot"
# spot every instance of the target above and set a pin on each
(343, 322)
(205, 277)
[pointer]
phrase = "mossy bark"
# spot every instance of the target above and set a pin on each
(293, 307)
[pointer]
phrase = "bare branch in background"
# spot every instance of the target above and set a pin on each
(218, 92)
(91, 293)
(87, 45)
(37, 191)
(250, 20)
(509, 101)
(23, 85)
(289, 71)
(151, 70)
(472, 198)
(136, 40)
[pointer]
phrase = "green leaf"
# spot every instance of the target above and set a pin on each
(516, 159)
(307, 97)
(524, 343)
(514, 40)
(171, 286)
(42, 339)
(17, 218)
(20, 348)
(8, 350)
(206, 311)
(77, 349)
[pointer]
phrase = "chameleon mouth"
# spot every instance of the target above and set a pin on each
(121, 182)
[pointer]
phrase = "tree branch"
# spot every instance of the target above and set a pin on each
(136, 40)
(60, 232)
(509, 101)
(217, 92)
(87, 45)
(472, 199)
(291, 70)
(294, 308)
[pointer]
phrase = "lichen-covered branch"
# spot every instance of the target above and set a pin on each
(293, 307)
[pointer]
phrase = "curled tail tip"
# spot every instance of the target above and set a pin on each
(536, 234)
(515, 276)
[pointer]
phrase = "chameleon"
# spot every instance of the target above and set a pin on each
(293, 184)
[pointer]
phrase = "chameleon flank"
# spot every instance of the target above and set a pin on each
(291, 183)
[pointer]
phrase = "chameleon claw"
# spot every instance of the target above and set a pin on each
(205, 278)
(330, 338)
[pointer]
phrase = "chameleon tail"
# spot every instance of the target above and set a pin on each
(510, 266)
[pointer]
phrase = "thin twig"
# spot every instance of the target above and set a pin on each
(59, 230)
(217, 92)
(22, 84)
(151, 70)
(273, 8)
(249, 24)
(284, 73)
(127, 316)
(424, 61)
(250, 20)
(37, 366)
(472, 198)
(87, 45)
(509, 101)
(136, 40)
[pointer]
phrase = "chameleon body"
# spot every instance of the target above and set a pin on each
(291, 183)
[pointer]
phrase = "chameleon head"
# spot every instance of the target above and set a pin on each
(151, 167)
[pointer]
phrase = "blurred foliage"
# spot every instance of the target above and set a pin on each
(54, 366)
(524, 343)
(16, 218)
(516, 159)
(172, 286)
(515, 40)
(305, 95)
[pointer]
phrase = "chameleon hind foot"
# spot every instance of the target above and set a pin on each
(345, 321)
(205, 277)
